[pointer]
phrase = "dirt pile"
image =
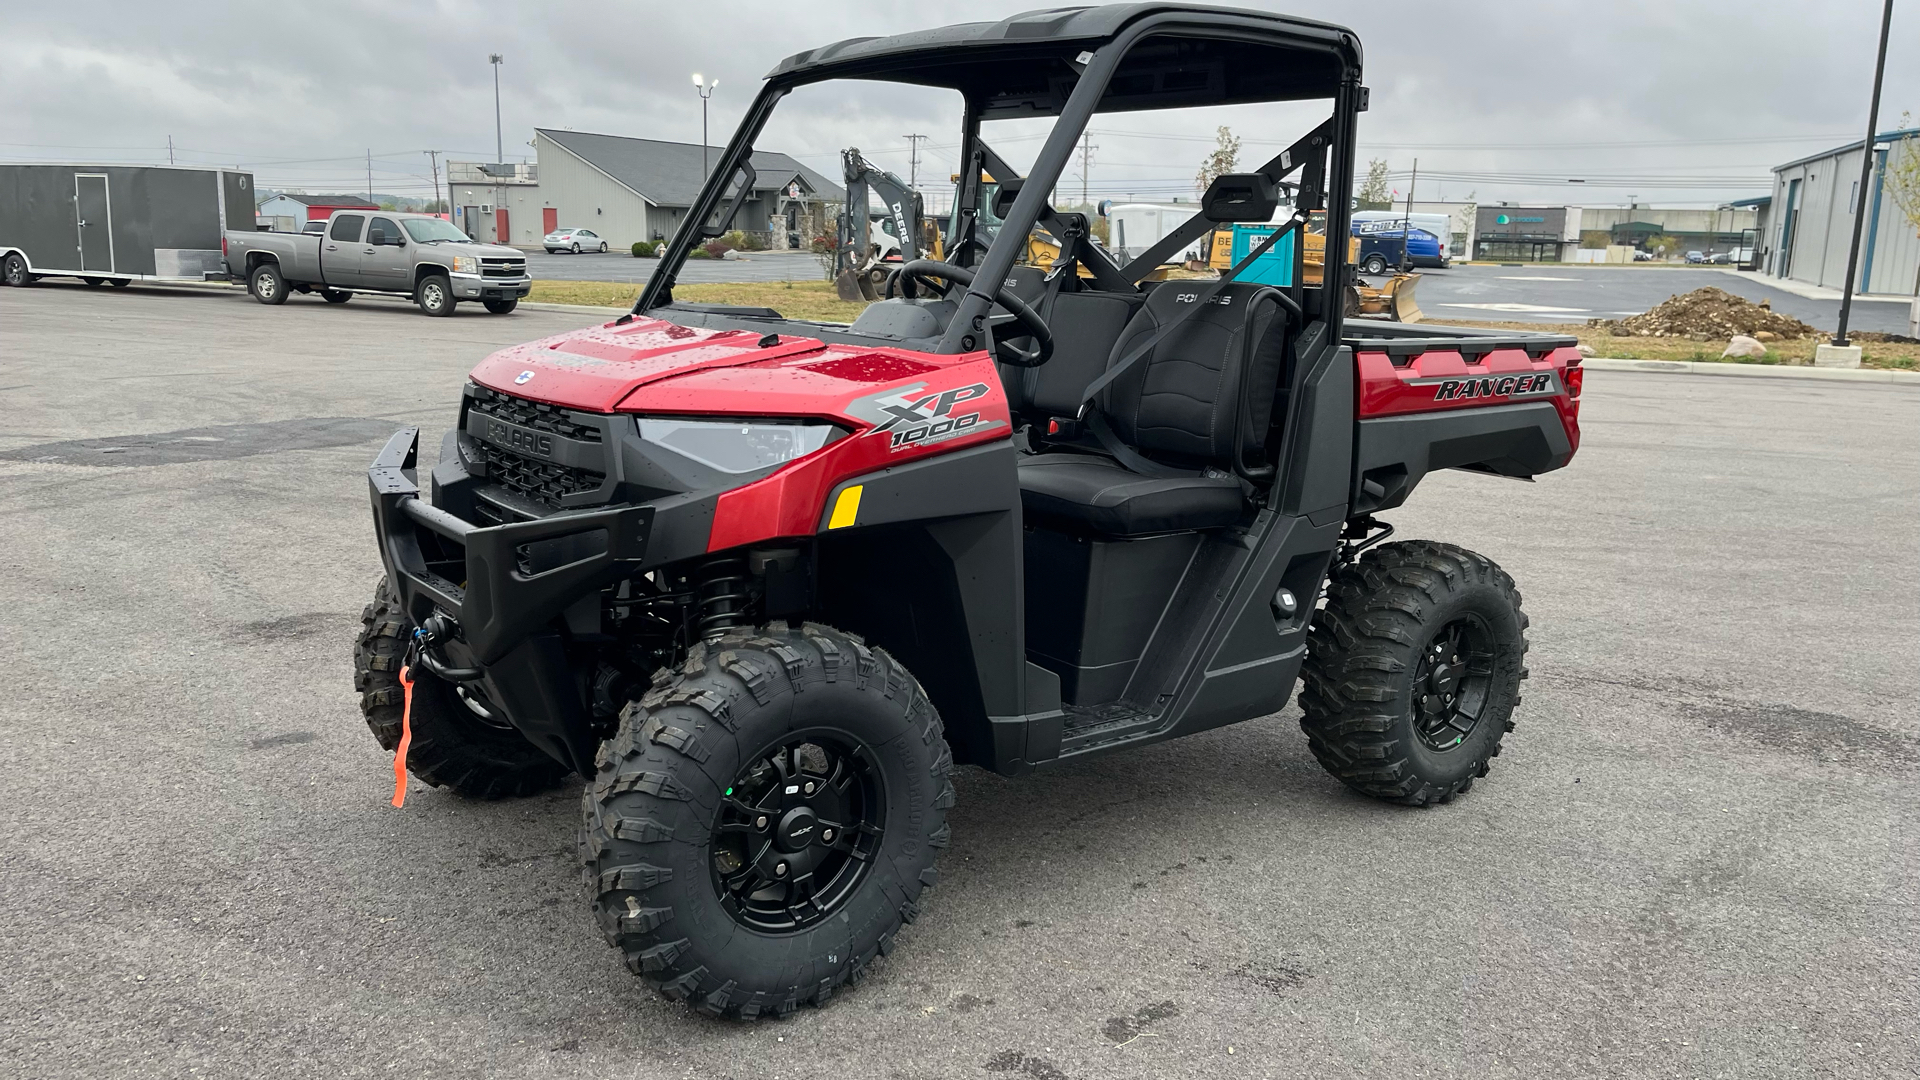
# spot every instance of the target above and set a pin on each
(1707, 314)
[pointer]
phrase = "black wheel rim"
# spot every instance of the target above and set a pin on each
(1451, 683)
(797, 832)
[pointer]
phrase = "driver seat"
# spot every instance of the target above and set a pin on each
(1179, 406)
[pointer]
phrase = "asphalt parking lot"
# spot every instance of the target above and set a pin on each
(1698, 856)
(1574, 294)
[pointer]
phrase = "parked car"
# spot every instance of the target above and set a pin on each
(1380, 246)
(1696, 257)
(574, 240)
(1720, 258)
(314, 227)
(1642, 256)
(417, 255)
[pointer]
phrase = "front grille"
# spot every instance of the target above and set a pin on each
(503, 268)
(540, 480)
(544, 481)
(537, 415)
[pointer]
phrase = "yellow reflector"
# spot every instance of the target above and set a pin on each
(845, 508)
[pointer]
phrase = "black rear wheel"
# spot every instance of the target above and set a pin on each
(94, 282)
(335, 296)
(1413, 671)
(1375, 265)
(766, 818)
(14, 270)
(119, 282)
(266, 284)
(459, 739)
(502, 307)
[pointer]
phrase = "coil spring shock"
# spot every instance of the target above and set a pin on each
(722, 595)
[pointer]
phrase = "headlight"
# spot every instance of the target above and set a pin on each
(735, 447)
(466, 264)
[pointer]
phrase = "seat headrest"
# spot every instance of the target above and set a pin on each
(1249, 197)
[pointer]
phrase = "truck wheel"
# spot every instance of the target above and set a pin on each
(14, 270)
(766, 818)
(335, 296)
(1375, 265)
(434, 294)
(453, 745)
(1413, 671)
(502, 307)
(266, 284)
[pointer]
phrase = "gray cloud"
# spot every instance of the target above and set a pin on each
(301, 94)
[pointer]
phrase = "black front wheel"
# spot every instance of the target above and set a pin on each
(1413, 671)
(94, 282)
(1375, 265)
(460, 740)
(119, 282)
(502, 307)
(14, 270)
(766, 819)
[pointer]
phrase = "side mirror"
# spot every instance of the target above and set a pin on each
(376, 237)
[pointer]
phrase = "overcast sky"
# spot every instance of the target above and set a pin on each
(1681, 102)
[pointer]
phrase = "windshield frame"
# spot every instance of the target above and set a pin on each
(429, 224)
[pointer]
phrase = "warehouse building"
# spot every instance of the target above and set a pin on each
(1816, 201)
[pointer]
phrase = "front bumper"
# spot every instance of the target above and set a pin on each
(497, 603)
(474, 287)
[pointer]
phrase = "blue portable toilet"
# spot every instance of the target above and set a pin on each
(1276, 266)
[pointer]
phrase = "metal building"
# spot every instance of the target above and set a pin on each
(1815, 202)
(121, 223)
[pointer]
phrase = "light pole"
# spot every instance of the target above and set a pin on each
(705, 90)
(499, 151)
(1866, 176)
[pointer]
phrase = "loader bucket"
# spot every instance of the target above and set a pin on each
(1400, 302)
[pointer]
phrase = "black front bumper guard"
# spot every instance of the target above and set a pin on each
(497, 604)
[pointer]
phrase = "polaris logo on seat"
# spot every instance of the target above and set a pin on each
(1194, 297)
(1494, 386)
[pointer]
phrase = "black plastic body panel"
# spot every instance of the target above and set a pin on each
(1393, 453)
(1093, 604)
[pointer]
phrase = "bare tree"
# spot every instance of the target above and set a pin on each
(1901, 180)
(1224, 158)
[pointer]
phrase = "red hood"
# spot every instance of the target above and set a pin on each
(594, 369)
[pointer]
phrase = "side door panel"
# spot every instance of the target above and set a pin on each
(384, 263)
(340, 258)
(94, 221)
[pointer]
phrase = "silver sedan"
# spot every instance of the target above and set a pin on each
(574, 240)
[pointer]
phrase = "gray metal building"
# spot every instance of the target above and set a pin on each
(1815, 203)
(640, 189)
(121, 222)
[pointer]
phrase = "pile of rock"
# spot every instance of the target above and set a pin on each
(1708, 314)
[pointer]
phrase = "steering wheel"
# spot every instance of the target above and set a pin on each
(923, 271)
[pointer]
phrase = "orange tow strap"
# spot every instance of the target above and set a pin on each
(406, 739)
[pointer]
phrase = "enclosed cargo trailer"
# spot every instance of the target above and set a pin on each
(118, 223)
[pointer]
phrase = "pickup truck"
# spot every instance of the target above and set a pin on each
(417, 255)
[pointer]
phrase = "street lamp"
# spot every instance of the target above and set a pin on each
(705, 90)
(499, 150)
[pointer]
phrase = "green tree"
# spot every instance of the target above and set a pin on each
(1223, 159)
(1374, 193)
(1901, 180)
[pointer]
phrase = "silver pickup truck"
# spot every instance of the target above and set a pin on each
(417, 255)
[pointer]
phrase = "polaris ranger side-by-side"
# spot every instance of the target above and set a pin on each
(764, 581)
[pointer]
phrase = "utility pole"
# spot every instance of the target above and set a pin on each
(1406, 223)
(1086, 163)
(1866, 176)
(705, 90)
(369, 174)
(433, 158)
(499, 148)
(169, 149)
(913, 160)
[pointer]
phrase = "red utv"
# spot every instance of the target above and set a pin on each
(762, 582)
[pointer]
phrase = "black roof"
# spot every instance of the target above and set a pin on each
(1021, 64)
(327, 200)
(670, 173)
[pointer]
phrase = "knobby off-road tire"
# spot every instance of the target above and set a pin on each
(675, 803)
(266, 284)
(452, 746)
(1413, 671)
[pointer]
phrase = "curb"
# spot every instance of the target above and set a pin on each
(1754, 371)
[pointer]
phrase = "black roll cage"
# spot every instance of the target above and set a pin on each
(1334, 139)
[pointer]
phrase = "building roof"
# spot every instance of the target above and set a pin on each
(325, 200)
(1750, 204)
(670, 173)
(1885, 136)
